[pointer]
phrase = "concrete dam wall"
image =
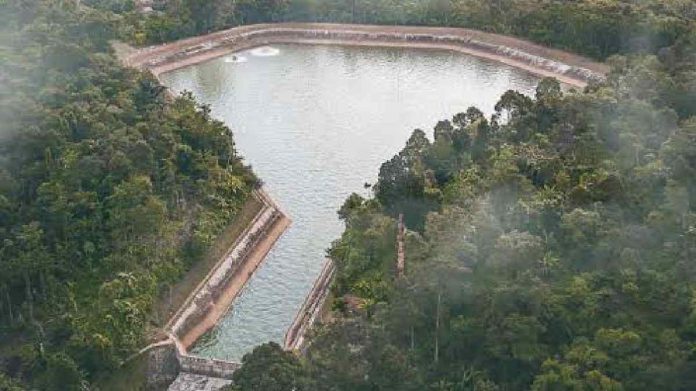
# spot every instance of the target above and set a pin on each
(211, 293)
(310, 311)
(568, 68)
(170, 366)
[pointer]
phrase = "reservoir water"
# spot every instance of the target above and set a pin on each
(315, 123)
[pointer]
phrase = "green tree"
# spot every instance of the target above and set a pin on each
(269, 368)
(8, 384)
(61, 373)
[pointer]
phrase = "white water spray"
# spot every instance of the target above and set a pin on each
(265, 51)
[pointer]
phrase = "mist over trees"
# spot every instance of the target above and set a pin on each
(556, 250)
(550, 246)
(109, 191)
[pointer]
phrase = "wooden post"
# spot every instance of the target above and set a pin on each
(436, 357)
(9, 305)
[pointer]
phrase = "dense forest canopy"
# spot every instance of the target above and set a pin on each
(550, 246)
(597, 28)
(109, 191)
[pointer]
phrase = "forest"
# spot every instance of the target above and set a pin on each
(109, 191)
(597, 28)
(550, 246)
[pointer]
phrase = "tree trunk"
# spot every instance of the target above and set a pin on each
(9, 305)
(30, 299)
(44, 286)
(413, 339)
(170, 309)
(437, 328)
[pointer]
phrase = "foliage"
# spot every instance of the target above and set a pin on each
(595, 28)
(550, 244)
(551, 247)
(109, 191)
(269, 368)
(7, 384)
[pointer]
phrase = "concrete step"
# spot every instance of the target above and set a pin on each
(190, 382)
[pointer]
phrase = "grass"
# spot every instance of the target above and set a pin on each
(169, 302)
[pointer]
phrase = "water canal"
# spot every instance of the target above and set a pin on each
(316, 122)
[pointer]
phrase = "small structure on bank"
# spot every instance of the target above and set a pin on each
(400, 255)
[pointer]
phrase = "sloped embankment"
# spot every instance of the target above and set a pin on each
(567, 67)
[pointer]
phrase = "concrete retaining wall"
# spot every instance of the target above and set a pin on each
(162, 365)
(208, 366)
(197, 307)
(311, 308)
(190, 382)
(525, 55)
(168, 363)
(169, 359)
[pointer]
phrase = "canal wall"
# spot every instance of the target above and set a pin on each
(169, 367)
(208, 367)
(567, 67)
(214, 295)
(162, 364)
(311, 309)
(169, 362)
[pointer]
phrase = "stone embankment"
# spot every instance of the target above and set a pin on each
(208, 366)
(171, 368)
(568, 68)
(214, 295)
(311, 309)
(169, 363)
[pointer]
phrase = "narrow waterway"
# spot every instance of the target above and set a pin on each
(316, 122)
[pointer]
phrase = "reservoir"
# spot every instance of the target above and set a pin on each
(315, 123)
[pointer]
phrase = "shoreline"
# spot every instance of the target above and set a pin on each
(568, 68)
(311, 309)
(236, 284)
(216, 292)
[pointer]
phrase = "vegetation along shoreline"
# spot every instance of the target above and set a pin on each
(548, 244)
(570, 69)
